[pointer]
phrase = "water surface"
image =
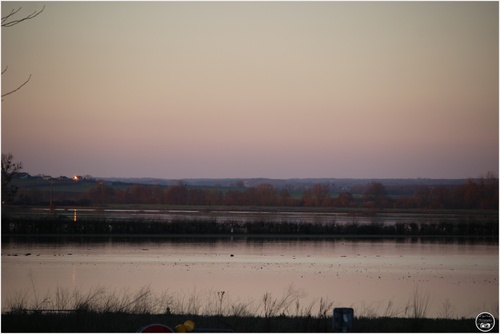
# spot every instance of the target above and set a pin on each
(367, 274)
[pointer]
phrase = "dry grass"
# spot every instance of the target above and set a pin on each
(419, 303)
(104, 310)
(206, 302)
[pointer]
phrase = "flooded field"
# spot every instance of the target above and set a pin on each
(243, 216)
(375, 276)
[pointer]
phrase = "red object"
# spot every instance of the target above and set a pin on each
(156, 328)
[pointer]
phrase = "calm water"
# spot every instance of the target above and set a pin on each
(365, 274)
(252, 216)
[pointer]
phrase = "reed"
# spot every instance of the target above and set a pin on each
(100, 309)
(419, 303)
(447, 309)
(204, 303)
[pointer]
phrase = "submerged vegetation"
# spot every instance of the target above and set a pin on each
(100, 223)
(103, 310)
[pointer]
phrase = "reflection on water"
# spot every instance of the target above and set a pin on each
(320, 217)
(365, 273)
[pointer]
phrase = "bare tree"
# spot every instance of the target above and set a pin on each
(9, 169)
(377, 194)
(11, 20)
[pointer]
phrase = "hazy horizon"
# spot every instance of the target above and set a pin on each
(185, 90)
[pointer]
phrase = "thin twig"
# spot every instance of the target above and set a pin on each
(18, 88)
(12, 12)
(6, 23)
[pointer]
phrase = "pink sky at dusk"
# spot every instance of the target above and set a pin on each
(253, 89)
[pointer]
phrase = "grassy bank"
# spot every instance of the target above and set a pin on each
(122, 322)
(104, 310)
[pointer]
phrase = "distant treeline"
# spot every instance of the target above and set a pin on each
(475, 194)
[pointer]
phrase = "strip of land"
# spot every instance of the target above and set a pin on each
(121, 322)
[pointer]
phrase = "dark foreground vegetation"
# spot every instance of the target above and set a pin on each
(103, 310)
(127, 323)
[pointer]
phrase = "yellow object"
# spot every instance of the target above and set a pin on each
(180, 328)
(189, 325)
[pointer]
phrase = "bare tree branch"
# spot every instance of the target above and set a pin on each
(9, 23)
(18, 88)
(12, 12)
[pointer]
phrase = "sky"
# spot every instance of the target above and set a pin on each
(253, 89)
